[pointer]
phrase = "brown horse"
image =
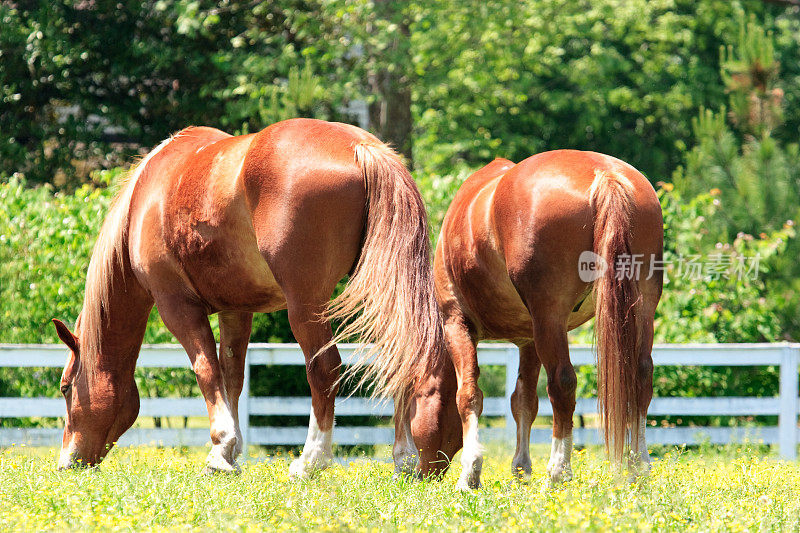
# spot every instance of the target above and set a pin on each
(507, 267)
(211, 223)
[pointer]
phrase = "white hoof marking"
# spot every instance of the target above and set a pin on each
(559, 467)
(471, 458)
(317, 451)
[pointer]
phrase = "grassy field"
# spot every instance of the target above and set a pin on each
(155, 489)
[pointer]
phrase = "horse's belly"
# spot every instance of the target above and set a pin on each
(231, 278)
(236, 288)
(226, 270)
(583, 313)
(501, 314)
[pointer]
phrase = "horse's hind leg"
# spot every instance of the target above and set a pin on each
(234, 330)
(323, 372)
(550, 336)
(189, 324)
(639, 461)
(469, 401)
(524, 406)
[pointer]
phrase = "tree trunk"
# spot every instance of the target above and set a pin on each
(390, 113)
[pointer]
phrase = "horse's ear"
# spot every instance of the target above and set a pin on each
(66, 336)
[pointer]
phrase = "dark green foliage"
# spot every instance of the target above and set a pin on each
(510, 79)
(72, 70)
(85, 84)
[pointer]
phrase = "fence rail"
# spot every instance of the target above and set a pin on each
(785, 406)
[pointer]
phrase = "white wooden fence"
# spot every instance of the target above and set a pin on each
(786, 406)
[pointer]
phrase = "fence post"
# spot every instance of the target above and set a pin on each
(512, 371)
(244, 405)
(787, 420)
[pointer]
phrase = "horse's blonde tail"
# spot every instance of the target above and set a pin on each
(618, 306)
(389, 300)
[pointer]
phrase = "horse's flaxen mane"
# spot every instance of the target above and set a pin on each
(108, 251)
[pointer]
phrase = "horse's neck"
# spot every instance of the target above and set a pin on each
(124, 320)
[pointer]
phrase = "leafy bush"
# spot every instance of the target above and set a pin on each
(713, 307)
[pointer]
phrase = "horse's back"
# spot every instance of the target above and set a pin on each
(303, 159)
(308, 196)
(512, 241)
(571, 173)
(231, 219)
(542, 206)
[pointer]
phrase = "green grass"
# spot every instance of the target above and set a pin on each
(149, 488)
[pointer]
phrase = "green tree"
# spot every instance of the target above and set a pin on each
(83, 85)
(736, 152)
(740, 155)
(504, 78)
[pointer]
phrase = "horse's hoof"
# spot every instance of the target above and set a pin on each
(296, 474)
(217, 465)
(559, 474)
(521, 478)
(560, 479)
(465, 486)
(302, 469)
(210, 470)
(521, 474)
(468, 483)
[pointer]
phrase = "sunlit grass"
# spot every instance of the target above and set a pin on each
(150, 488)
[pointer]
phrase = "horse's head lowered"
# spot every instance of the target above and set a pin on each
(435, 423)
(100, 407)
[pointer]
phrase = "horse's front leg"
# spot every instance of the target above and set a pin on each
(469, 401)
(189, 323)
(323, 373)
(404, 451)
(234, 333)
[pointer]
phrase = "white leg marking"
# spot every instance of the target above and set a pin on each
(639, 462)
(317, 451)
(471, 457)
(237, 450)
(559, 467)
(222, 457)
(405, 451)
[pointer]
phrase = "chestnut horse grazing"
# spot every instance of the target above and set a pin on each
(211, 223)
(507, 267)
